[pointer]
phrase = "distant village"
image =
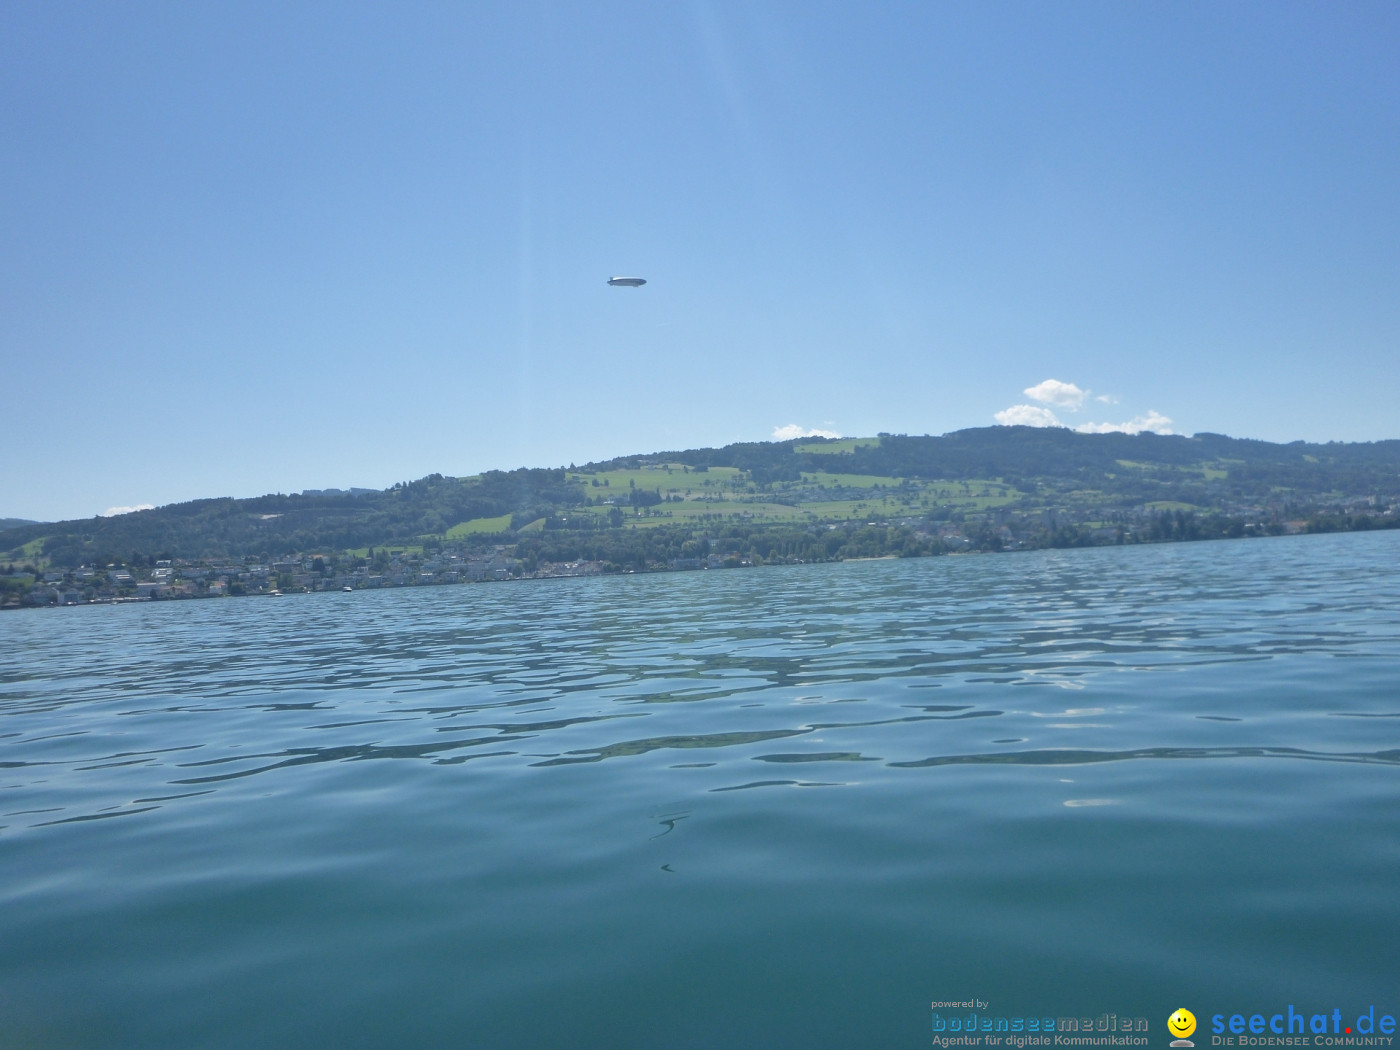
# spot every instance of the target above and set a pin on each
(997, 529)
(180, 578)
(391, 567)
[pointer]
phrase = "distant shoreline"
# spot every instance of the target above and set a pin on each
(553, 572)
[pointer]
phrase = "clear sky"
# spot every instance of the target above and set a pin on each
(266, 247)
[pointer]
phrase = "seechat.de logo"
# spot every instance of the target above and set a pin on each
(1181, 1024)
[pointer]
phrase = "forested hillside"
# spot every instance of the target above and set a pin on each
(998, 486)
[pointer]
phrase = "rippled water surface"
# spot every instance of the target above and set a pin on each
(770, 808)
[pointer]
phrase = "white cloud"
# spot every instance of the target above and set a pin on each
(1071, 397)
(112, 512)
(1053, 392)
(793, 430)
(1154, 422)
(1027, 416)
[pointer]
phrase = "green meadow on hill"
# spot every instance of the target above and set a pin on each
(988, 488)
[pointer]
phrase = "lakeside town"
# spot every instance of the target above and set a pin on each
(151, 578)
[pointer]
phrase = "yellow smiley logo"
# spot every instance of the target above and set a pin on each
(1182, 1023)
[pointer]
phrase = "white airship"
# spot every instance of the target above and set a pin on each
(627, 282)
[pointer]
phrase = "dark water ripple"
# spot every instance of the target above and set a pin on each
(362, 798)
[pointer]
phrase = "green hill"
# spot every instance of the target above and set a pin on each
(995, 486)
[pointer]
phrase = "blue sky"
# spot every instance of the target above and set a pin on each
(249, 248)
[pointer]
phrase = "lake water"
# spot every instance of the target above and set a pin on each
(783, 807)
